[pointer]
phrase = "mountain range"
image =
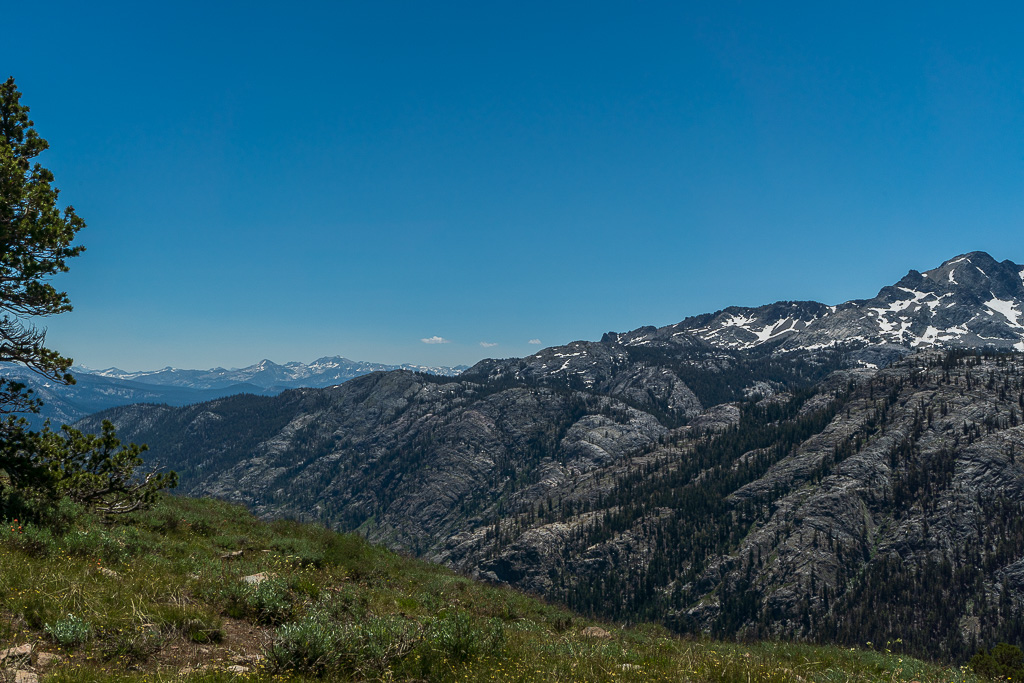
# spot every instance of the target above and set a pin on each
(842, 473)
(97, 390)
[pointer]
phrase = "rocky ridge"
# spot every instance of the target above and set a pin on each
(969, 301)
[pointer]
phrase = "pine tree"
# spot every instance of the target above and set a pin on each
(35, 242)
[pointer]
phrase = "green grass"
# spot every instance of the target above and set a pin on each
(334, 608)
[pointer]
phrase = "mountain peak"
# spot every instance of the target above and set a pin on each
(971, 300)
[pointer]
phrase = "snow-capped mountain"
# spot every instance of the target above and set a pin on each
(323, 372)
(969, 301)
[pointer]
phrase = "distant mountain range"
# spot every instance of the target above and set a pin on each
(97, 390)
(267, 375)
(844, 474)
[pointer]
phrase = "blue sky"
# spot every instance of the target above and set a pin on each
(288, 182)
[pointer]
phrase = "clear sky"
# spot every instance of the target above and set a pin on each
(295, 180)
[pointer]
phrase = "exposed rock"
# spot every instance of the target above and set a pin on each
(595, 632)
(256, 579)
(109, 573)
(47, 659)
(17, 652)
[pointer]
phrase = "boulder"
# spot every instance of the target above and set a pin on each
(595, 632)
(255, 579)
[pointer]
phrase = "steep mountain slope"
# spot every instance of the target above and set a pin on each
(790, 488)
(412, 458)
(886, 504)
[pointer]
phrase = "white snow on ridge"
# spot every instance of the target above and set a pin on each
(1021, 273)
(885, 319)
(914, 293)
(1008, 309)
(738, 321)
(929, 337)
(951, 276)
(773, 330)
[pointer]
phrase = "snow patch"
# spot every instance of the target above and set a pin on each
(951, 276)
(774, 329)
(738, 321)
(1008, 309)
(929, 337)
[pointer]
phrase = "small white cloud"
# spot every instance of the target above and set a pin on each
(435, 340)
(534, 341)
(488, 345)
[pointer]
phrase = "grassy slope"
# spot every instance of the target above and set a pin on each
(175, 605)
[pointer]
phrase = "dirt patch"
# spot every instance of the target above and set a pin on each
(243, 645)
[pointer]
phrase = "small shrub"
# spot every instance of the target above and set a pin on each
(318, 646)
(456, 638)
(191, 622)
(113, 546)
(33, 540)
(37, 610)
(377, 644)
(305, 647)
(301, 552)
(129, 645)
(69, 631)
(344, 603)
(266, 602)
(201, 528)
(1003, 661)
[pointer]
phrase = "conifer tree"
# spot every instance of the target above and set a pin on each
(35, 242)
(36, 239)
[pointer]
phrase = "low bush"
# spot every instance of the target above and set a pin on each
(33, 540)
(457, 638)
(114, 546)
(307, 647)
(317, 646)
(1004, 661)
(128, 645)
(69, 631)
(267, 602)
(191, 622)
